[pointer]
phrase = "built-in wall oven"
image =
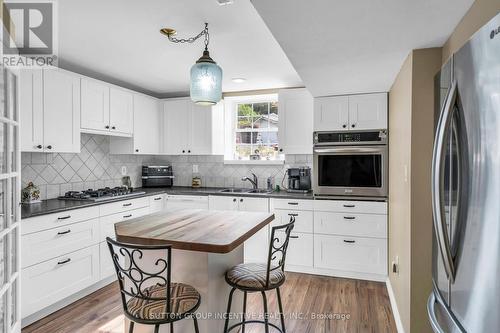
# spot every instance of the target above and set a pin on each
(351, 164)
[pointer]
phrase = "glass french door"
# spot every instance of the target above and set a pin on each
(10, 212)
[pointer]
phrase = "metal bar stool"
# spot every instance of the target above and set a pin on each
(151, 298)
(258, 277)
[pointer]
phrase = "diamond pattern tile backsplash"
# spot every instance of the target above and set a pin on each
(95, 167)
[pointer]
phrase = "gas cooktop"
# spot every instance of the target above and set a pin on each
(101, 194)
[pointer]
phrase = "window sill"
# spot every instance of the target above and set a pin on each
(255, 162)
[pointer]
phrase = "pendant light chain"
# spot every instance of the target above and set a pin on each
(204, 32)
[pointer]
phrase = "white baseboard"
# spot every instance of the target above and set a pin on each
(394, 306)
(336, 273)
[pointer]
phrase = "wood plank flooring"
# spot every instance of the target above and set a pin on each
(313, 304)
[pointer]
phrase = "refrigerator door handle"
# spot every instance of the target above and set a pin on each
(431, 311)
(437, 181)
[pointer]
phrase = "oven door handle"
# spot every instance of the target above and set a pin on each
(344, 150)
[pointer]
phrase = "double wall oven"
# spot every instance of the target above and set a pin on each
(351, 164)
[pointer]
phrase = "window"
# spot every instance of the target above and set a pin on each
(253, 128)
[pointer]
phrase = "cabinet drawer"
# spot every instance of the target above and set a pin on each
(51, 281)
(353, 254)
(107, 268)
(300, 250)
(156, 203)
(107, 223)
(48, 244)
(303, 219)
(344, 206)
(363, 225)
(44, 222)
(187, 202)
(293, 204)
(123, 206)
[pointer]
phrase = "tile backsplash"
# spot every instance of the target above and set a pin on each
(94, 167)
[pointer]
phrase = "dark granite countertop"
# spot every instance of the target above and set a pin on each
(56, 205)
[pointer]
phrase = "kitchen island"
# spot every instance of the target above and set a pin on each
(205, 244)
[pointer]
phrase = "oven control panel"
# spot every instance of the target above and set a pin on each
(367, 137)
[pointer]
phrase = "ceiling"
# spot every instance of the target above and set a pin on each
(119, 41)
(356, 46)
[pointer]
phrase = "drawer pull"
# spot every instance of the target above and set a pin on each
(293, 203)
(64, 217)
(349, 217)
(349, 206)
(156, 199)
(294, 237)
(127, 204)
(293, 214)
(349, 241)
(127, 216)
(64, 261)
(64, 232)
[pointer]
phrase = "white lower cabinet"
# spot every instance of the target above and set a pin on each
(108, 222)
(157, 203)
(363, 225)
(107, 269)
(351, 254)
(175, 202)
(300, 251)
(48, 282)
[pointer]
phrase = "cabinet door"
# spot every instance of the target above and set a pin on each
(95, 105)
(61, 111)
(368, 111)
(121, 111)
(256, 248)
(222, 203)
(176, 118)
(331, 113)
(31, 109)
(157, 203)
(146, 125)
(300, 250)
(200, 132)
(295, 114)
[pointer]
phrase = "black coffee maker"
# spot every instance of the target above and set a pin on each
(299, 179)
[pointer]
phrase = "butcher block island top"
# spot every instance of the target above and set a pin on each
(194, 229)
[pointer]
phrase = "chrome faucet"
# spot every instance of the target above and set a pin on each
(254, 182)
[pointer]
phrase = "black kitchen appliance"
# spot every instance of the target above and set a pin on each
(157, 176)
(299, 179)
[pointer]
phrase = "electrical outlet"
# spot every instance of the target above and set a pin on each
(124, 170)
(195, 168)
(395, 265)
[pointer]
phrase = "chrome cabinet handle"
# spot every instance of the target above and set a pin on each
(64, 232)
(64, 261)
(64, 217)
(127, 204)
(438, 162)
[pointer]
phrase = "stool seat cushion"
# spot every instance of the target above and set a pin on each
(183, 300)
(253, 276)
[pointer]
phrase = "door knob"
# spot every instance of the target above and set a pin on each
(49, 147)
(183, 151)
(113, 127)
(137, 150)
(353, 125)
(189, 151)
(344, 126)
(39, 146)
(106, 127)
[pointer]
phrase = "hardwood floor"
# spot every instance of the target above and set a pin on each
(342, 305)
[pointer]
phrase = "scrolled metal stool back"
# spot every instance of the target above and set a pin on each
(278, 248)
(134, 279)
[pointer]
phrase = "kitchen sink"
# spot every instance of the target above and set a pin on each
(244, 190)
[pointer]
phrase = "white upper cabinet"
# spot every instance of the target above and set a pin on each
(192, 129)
(354, 112)
(121, 110)
(368, 111)
(147, 124)
(295, 127)
(331, 113)
(106, 109)
(50, 111)
(95, 105)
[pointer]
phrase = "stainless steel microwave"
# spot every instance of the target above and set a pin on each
(351, 164)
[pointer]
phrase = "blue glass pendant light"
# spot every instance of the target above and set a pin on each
(206, 75)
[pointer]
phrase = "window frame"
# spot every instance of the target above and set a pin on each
(231, 120)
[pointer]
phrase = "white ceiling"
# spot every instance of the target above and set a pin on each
(119, 41)
(356, 46)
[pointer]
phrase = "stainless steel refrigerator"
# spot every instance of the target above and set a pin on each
(466, 189)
